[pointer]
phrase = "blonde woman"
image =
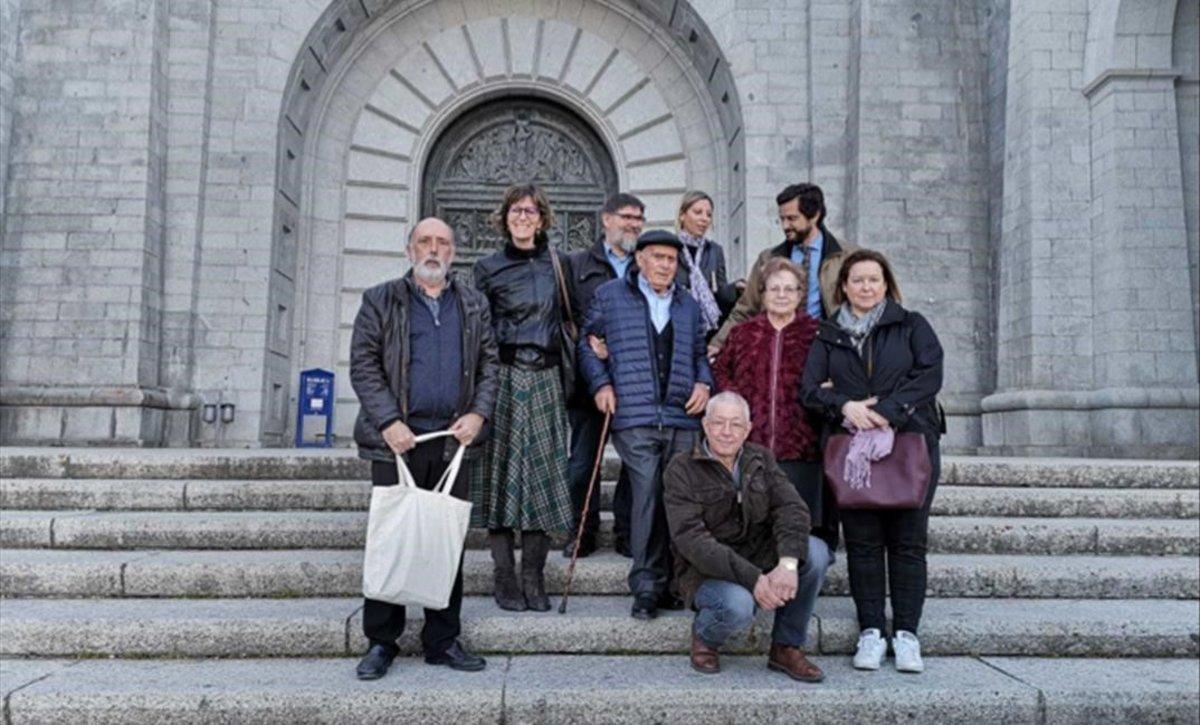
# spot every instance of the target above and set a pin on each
(702, 263)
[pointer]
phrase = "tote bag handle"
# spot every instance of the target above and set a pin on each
(446, 481)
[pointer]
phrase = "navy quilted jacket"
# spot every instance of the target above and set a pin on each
(620, 314)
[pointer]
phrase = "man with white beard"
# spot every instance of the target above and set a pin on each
(423, 358)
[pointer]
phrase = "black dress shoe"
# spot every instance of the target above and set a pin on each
(376, 663)
(645, 607)
(457, 658)
(621, 546)
(586, 547)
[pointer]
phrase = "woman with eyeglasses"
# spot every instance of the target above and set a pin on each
(520, 483)
(702, 263)
(763, 361)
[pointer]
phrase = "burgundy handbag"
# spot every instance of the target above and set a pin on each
(899, 480)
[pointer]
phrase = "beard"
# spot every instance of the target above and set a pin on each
(628, 245)
(431, 271)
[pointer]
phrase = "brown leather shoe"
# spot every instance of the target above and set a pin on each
(792, 662)
(704, 658)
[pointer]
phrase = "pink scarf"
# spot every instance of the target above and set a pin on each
(866, 446)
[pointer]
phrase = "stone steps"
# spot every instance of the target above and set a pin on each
(347, 529)
(73, 573)
(331, 627)
(244, 557)
(343, 464)
(598, 689)
(351, 495)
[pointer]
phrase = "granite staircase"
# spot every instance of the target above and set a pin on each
(223, 586)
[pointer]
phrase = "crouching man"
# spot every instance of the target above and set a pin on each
(741, 538)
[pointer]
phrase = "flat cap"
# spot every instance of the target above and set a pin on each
(659, 236)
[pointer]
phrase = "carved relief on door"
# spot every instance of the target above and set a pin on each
(517, 141)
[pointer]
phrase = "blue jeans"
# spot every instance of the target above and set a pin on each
(724, 607)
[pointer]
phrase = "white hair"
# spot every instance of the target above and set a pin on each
(727, 397)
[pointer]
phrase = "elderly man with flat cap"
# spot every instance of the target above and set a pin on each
(423, 358)
(655, 381)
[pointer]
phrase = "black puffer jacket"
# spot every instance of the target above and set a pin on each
(521, 289)
(379, 364)
(901, 365)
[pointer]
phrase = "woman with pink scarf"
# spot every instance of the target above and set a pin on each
(875, 369)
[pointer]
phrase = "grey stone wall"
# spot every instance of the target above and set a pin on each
(82, 246)
(991, 148)
(918, 166)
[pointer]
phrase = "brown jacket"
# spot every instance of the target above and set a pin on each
(750, 303)
(718, 532)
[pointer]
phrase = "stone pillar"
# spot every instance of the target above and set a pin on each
(1095, 347)
(1145, 346)
(916, 170)
(1044, 330)
(82, 250)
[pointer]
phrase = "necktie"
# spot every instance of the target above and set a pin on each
(806, 251)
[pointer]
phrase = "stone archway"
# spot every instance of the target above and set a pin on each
(513, 141)
(379, 84)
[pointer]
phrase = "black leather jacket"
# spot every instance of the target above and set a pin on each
(522, 291)
(379, 364)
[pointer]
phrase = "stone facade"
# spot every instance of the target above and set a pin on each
(194, 194)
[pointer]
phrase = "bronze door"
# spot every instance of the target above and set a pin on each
(517, 141)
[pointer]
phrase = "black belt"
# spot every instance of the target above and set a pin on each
(528, 358)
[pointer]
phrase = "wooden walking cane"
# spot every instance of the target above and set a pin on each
(587, 503)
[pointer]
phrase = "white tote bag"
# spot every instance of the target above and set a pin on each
(415, 538)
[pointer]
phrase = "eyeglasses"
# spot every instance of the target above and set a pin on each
(786, 290)
(632, 217)
(529, 211)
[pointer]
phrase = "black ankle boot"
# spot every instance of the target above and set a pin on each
(506, 589)
(535, 545)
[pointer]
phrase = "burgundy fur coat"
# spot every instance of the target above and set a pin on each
(748, 363)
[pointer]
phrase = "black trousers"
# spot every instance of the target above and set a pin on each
(383, 622)
(809, 480)
(586, 424)
(902, 536)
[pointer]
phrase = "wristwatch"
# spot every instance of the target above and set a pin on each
(789, 563)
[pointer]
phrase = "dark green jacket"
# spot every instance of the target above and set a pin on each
(719, 532)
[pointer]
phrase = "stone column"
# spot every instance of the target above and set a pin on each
(1044, 330)
(916, 178)
(82, 250)
(1096, 348)
(1145, 347)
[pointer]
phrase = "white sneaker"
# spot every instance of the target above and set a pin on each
(871, 649)
(908, 652)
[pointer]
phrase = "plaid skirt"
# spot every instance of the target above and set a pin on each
(520, 481)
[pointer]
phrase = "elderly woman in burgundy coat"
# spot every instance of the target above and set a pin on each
(763, 362)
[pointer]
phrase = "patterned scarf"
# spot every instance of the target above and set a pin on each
(859, 327)
(694, 249)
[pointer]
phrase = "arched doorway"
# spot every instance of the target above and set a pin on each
(372, 100)
(515, 141)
